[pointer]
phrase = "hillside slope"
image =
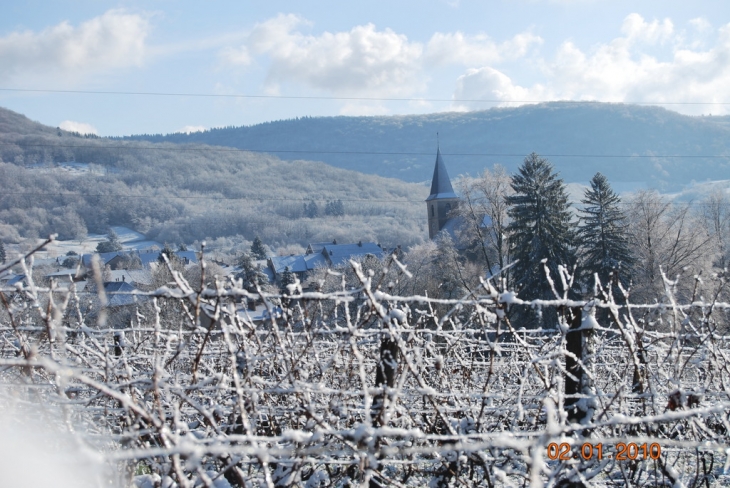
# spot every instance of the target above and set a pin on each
(56, 181)
(637, 143)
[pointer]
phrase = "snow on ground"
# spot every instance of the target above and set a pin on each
(126, 234)
(130, 240)
(61, 248)
(133, 240)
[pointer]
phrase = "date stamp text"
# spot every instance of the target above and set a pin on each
(620, 452)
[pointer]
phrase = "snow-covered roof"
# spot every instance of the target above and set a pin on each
(334, 255)
(300, 263)
(68, 273)
(295, 263)
(316, 247)
(119, 293)
(15, 279)
(340, 254)
(140, 276)
(121, 275)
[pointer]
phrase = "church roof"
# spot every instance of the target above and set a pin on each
(441, 184)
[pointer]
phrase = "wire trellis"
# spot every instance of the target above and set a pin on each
(363, 388)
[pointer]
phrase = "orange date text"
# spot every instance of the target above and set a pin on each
(621, 452)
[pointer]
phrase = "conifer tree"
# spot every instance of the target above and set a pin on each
(169, 252)
(311, 209)
(258, 250)
(540, 229)
(603, 234)
(287, 278)
(335, 208)
(250, 273)
(2, 252)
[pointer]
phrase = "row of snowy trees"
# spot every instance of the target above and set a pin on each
(607, 246)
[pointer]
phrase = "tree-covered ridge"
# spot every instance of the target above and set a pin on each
(651, 137)
(177, 194)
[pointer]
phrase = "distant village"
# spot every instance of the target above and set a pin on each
(127, 272)
(127, 264)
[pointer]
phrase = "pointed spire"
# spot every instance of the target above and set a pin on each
(441, 183)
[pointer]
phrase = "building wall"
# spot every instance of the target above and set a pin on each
(438, 214)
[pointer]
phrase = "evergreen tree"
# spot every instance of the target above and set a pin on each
(603, 234)
(69, 262)
(2, 252)
(540, 229)
(287, 278)
(311, 209)
(258, 250)
(250, 273)
(169, 252)
(335, 208)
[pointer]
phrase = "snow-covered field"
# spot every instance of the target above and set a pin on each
(359, 386)
(130, 240)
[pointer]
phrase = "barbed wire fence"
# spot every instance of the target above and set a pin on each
(361, 387)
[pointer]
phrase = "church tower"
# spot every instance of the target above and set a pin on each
(442, 198)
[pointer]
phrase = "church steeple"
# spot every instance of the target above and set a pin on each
(441, 183)
(442, 198)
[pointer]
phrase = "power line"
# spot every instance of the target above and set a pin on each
(296, 200)
(192, 197)
(322, 97)
(180, 148)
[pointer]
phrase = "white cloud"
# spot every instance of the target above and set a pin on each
(651, 63)
(79, 127)
(490, 84)
(235, 56)
(701, 24)
(364, 61)
(637, 29)
(457, 48)
(113, 40)
(188, 129)
(622, 71)
(361, 62)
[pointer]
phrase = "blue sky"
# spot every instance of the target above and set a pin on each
(441, 55)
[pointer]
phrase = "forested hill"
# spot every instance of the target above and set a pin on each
(634, 140)
(54, 181)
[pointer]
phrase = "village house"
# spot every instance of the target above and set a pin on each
(322, 255)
